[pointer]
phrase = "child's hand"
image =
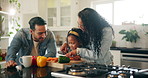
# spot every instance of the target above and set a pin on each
(63, 48)
(72, 53)
(77, 57)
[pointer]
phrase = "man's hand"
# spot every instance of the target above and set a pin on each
(72, 53)
(63, 48)
(11, 63)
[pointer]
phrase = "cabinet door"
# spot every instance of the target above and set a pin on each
(59, 13)
(116, 56)
(65, 13)
(4, 24)
(52, 13)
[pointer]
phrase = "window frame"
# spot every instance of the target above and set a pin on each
(94, 3)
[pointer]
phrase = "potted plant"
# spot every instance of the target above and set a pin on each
(113, 44)
(130, 36)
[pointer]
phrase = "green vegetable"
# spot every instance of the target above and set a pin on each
(63, 59)
(1, 58)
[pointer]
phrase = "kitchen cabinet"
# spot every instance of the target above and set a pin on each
(61, 14)
(4, 23)
(5, 27)
(116, 57)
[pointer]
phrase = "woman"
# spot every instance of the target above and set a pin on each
(99, 36)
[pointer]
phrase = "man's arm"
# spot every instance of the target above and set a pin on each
(51, 46)
(12, 50)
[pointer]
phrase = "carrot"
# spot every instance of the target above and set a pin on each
(54, 59)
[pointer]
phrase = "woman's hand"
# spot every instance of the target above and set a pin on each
(72, 53)
(64, 47)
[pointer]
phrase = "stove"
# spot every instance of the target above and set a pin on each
(96, 70)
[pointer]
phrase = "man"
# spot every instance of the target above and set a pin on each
(34, 41)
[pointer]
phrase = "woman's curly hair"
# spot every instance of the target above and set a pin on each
(93, 24)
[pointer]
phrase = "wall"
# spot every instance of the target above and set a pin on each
(84, 3)
(29, 9)
(60, 37)
(42, 11)
(142, 42)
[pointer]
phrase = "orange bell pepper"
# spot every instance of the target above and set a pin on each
(41, 61)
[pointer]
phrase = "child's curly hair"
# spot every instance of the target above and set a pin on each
(78, 33)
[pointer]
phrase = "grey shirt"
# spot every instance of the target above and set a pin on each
(22, 44)
(104, 56)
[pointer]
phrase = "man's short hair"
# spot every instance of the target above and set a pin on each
(36, 21)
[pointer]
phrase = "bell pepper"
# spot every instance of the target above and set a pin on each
(63, 59)
(1, 58)
(34, 62)
(41, 61)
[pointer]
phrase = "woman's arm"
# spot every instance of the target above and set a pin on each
(104, 54)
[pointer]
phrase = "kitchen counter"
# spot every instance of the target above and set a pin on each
(31, 72)
(35, 72)
(131, 50)
(49, 72)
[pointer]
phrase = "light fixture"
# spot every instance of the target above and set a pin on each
(12, 11)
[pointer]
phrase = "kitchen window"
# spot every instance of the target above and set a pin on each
(123, 12)
(106, 11)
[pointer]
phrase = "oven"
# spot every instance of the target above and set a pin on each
(137, 59)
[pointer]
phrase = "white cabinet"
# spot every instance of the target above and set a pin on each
(5, 26)
(61, 14)
(116, 57)
(4, 23)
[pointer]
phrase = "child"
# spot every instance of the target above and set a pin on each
(74, 40)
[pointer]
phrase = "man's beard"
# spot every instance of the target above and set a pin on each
(38, 39)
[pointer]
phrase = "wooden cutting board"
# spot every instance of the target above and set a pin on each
(62, 65)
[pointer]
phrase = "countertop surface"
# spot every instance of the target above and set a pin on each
(35, 72)
(46, 72)
(131, 50)
(31, 72)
